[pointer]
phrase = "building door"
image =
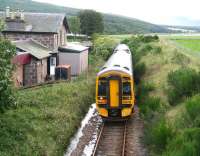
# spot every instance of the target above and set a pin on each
(30, 74)
(114, 93)
(52, 65)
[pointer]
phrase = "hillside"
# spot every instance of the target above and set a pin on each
(113, 24)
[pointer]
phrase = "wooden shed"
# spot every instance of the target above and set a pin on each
(75, 55)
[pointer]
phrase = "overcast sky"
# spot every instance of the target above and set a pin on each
(174, 12)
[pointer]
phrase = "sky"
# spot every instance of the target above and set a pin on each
(168, 12)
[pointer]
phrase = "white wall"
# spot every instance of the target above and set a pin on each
(78, 61)
(72, 59)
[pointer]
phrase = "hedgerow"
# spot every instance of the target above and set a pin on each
(7, 51)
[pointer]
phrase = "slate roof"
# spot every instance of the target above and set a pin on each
(34, 48)
(37, 22)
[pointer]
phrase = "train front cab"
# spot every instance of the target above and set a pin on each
(115, 95)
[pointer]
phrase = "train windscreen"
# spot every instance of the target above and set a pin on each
(102, 88)
(126, 88)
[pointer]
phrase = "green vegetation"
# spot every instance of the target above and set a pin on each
(113, 24)
(103, 46)
(91, 22)
(45, 119)
(192, 44)
(74, 24)
(7, 51)
(183, 83)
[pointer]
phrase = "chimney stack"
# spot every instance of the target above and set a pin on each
(7, 12)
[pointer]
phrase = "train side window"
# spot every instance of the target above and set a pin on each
(102, 88)
(126, 88)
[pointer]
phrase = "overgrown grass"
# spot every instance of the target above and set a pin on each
(46, 117)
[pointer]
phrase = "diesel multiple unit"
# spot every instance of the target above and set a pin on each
(115, 85)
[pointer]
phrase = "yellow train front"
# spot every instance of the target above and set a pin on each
(115, 86)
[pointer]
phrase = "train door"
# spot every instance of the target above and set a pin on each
(114, 93)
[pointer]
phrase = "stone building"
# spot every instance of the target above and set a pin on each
(37, 31)
(47, 28)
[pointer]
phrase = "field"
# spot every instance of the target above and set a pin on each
(189, 44)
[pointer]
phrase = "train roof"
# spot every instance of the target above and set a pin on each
(122, 47)
(120, 60)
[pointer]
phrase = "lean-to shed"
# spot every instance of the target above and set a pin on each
(76, 55)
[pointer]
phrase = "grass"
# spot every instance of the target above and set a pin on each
(46, 117)
(192, 44)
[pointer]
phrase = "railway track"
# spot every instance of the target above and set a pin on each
(111, 140)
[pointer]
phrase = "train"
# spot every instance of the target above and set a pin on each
(115, 96)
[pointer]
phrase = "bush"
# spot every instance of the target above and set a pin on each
(158, 134)
(148, 38)
(183, 83)
(7, 52)
(185, 143)
(193, 110)
(157, 50)
(180, 59)
(149, 106)
(143, 92)
(139, 71)
(103, 47)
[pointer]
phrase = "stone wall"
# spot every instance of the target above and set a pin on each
(45, 39)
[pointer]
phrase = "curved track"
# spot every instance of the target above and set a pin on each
(111, 140)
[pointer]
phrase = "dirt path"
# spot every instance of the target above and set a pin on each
(134, 144)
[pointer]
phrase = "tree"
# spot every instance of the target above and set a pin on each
(7, 51)
(74, 24)
(91, 22)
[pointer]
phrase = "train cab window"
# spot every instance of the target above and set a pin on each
(102, 91)
(126, 88)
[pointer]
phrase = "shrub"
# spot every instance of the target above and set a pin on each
(180, 59)
(148, 38)
(158, 134)
(149, 106)
(103, 47)
(156, 50)
(183, 83)
(139, 71)
(143, 91)
(7, 52)
(185, 143)
(193, 109)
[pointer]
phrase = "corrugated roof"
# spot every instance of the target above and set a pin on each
(36, 22)
(73, 47)
(34, 48)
